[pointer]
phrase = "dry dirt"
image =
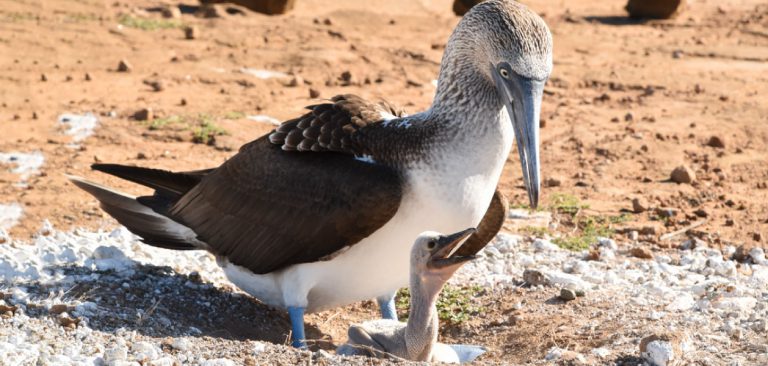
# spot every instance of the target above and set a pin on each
(628, 101)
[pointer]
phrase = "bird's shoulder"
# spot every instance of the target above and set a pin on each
(333, 126)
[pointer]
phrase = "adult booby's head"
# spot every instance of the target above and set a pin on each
(434, 257)
(505, 49)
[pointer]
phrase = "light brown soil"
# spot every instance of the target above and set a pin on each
(627, 102)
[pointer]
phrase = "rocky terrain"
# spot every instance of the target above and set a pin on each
(649, 245)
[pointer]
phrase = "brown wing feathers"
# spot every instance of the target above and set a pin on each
(266, 208)
(265, 219)
(331, 126)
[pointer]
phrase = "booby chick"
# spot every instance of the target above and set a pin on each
(322, 212)
(433, 262)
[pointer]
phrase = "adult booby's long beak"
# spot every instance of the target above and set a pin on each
(522, 97)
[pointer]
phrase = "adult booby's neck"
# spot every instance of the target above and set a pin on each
(465, 90)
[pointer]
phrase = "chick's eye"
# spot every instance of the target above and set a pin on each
(504, 73)
(431, 245)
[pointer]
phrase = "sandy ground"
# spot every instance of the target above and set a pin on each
(628, 101)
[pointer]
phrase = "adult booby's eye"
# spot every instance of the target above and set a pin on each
(431, 245)
(504, 73)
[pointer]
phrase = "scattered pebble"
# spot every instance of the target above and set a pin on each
(567, 294)
(716, 141)
(191, 32)
(124, 66)
(639, 205)
(144, 114)
(552, 182)
(683, 174)
(171, 12)
(156, 85)
(641, 252)
(314, 93)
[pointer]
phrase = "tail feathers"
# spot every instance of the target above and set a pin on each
(154, 228)
(166, 183)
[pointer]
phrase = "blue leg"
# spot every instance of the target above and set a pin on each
(297, 326)
(387, 306)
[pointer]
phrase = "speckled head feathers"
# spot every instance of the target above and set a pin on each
(504, 30)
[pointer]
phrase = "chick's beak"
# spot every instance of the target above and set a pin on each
(443, 255)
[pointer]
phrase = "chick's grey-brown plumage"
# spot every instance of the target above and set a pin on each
(432, 265)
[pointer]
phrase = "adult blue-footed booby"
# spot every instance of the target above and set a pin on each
(322, 211)
(434, 259)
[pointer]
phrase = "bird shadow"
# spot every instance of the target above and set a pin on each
(156, 301)
(616, 20)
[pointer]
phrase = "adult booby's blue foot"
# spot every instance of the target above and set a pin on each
(322, 211)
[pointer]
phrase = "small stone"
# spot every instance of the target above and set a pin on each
(209, 10)
(683, 174)
(124, 66)
(655, 9)
(346, 78)
(259, 347)
(180, 344)
(640, 252)
(567, 294)
(68, 322)
(633, 235)
(658, 350)
(172, 12)
(461, 7)
(144, 351)
(156, 85)
(314, 93)
(59, 308)
(742, 253)
(628, 117)
(8, 309)
(757, 236)
(183, 102)
(716, 141)
(115, 354)
(666, 212)
(141, 156)
(701, 213)
(43, 77)
(88, 77)
(534, 277)
(145, 114)
(758, 256)
(639, 205)
(270, 7)
(191, 32)
(552, 182)
(296, 80)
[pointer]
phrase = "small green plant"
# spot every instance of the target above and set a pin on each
(565, 203)
(537, 231)
(234, 115)
(15, 17)
(206, 130)
(81, 17)
(454, 304)
(591, 227)
(148, 24)
(160, 123)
